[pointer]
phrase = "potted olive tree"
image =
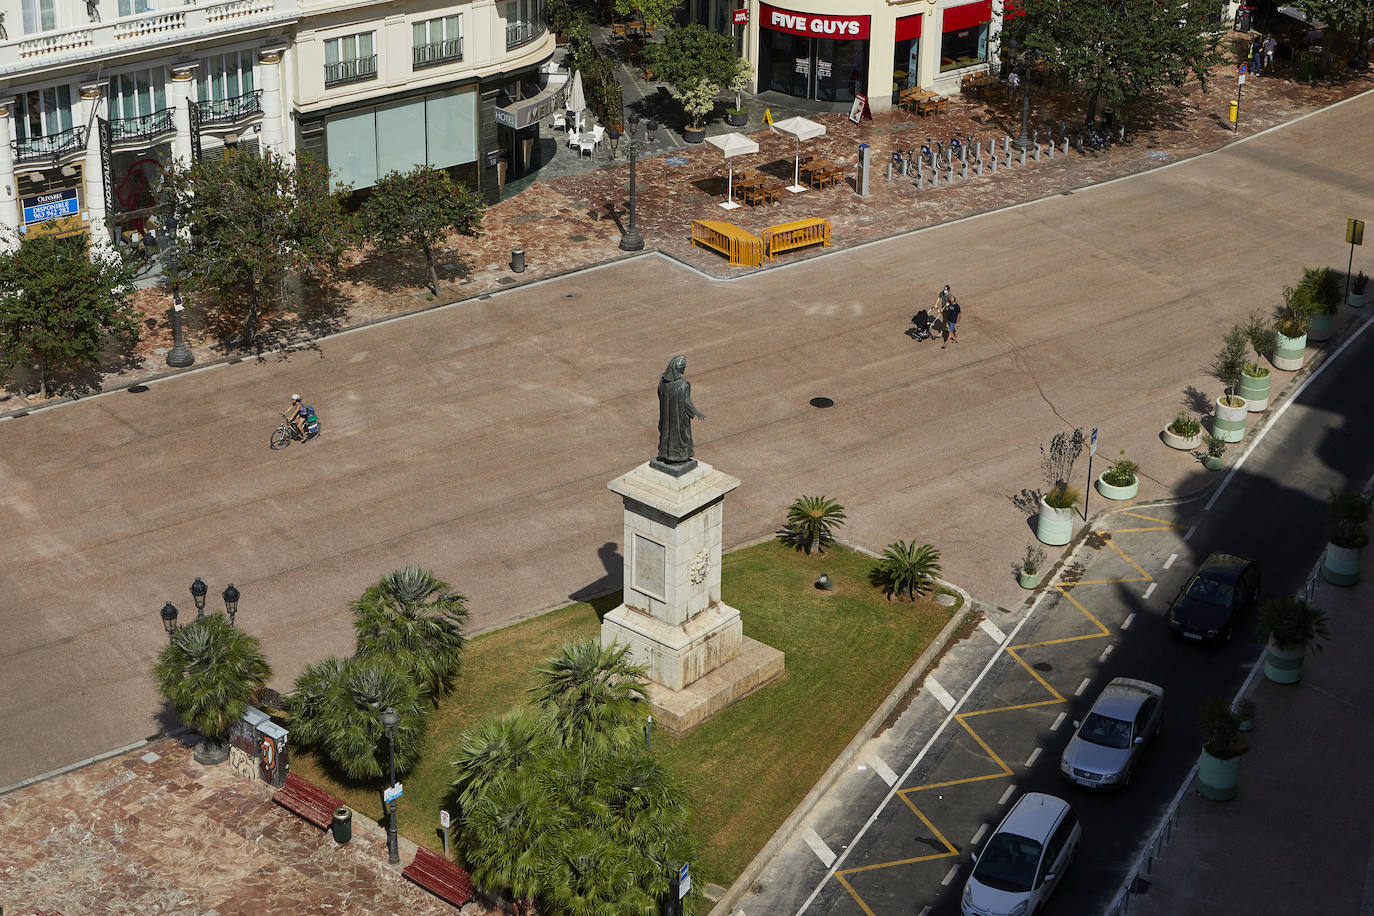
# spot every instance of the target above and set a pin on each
(697, 64)
(1028, 567)
(1121, 480)
(1228, 422)
(1290, 626)
(1216, 451)
(1347, 511)
(1320, 292)
(1290, 330)
(1184, 432)
(1255, 377)
(1357, 285)
(1054, 525)
(738, 116)
(1218, 766)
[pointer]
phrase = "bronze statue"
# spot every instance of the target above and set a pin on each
(675, 414)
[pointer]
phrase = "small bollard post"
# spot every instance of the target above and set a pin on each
(1006, 143)
(1066, 146)
(444, 822)
(1051, 147)
(965, 175)
(994, 162)
(1037, 152)
(1008, 157)
(517, 260)
(935, 178)
(1023, 157)
(889, 171)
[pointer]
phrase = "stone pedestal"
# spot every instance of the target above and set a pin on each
(672, 617)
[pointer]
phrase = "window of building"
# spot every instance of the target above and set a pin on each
(964, 41)
(39, 16)
(438, 129)
(43, 113)
(132, 7)
(349, 58)
(438, 41)
(524, 21)
(225, 76)
(134, 95)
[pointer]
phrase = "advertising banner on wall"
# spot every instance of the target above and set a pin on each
(812, 25)
(52, 212)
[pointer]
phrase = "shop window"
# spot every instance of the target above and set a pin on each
(437, 41)
(785, 62)
(439, 129)
(964, 48)
(348, 59)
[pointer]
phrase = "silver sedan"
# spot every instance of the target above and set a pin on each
(1107, 744)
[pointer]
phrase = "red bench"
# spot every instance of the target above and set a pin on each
(440, 877)
(308, 800)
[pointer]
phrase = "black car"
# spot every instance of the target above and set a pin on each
(1223, 588)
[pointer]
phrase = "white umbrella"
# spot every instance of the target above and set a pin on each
(732, 145)
(798, 129)
(577, 100)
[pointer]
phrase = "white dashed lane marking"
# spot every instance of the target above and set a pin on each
(1105, 652)
(1130, 619)
(979, 835)
(822, 851)
(1083, 686)
(1170, 562)
(949, 875)
(940, 693)
(1006, 795)
(1149, 591)
(1189, 535)
(990, 628)
(1058, 721)
(883, 770)
(1034, 756)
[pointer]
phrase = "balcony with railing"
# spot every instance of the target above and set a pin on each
(437, 52)
(229, 111)
(350, 71)
(175, 21)
(522, 33)
(143, 128)
(50, 147)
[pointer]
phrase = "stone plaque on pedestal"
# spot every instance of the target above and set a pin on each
(672, 617)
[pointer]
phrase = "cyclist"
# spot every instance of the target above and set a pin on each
(299, 415)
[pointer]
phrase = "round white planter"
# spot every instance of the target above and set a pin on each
(1217, 778)
(1182, 443)
(1055, 526)
(1289, 352)
(1028, 580)
(1356, 300)
(1341, 565)
(1228, 423)
(1255, 390)
(1113, 492)
(1321, 327)
(1283, 666)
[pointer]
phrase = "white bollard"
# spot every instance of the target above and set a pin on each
(966, 169)
(1023, 157)
(1051, 149)
(1037, 152)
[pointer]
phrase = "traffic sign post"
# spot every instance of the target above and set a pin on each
(1092, 450)
(1354, 234)
(1240, 81)
(684, 881)
(444, 821)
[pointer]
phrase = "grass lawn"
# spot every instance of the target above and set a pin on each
(749, 766)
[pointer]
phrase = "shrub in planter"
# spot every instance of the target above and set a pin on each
(1184, 432)
(1255, 377)
(1228, 422)
(1222, 748)
(1055, 523)
(1216, 450)
(1028, 567)
(1292, 627)
(1347, 511)
(697, 63)
(1357, 286)
(1121, 480)
(1290, 325)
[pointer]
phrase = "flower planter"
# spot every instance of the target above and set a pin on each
(1114, 492)
(1341, 565)
(1055, 526)
(693, 134)
(1217, 778)
(737, 119)
(1283, 666)
(1212, 463)
(1182, 443)
(1255, 390)
(1027, 580)
(1356, 300)
(211, 752)
(1321, 326)
(1288, 352)
(1228, 423)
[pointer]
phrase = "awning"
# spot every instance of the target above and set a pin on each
(1301, 16)
(534, 109)
(967, 15)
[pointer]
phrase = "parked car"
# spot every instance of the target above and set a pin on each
(1207, 608)
(1109, 741)
(1024, 859)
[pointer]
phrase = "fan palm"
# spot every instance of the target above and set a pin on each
(337, 706)
(586, 873)
(812, 520)
(506, 833)
(494, 751)
(414, 617)
(209, 672)
(904, 567)
(591, 694)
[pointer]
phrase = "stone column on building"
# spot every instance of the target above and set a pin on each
(93, 169)
(183, 81)
(9, 192)
(269, 72)
(928, 64)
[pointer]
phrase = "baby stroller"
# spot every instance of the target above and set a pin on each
(924, 325)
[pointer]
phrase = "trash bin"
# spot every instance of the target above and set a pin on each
(342, 827)
(517, 260)
(1244, 16)
(1234, 110)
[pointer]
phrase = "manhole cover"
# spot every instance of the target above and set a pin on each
(676, 160)
(570, 295)
(945, 600)
(1157, 154)
(577, 238)
(822, 402)
(1043, 666)
(505, 280)
(137, 389)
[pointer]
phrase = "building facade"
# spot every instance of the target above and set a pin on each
(830, 50)
(97, 97)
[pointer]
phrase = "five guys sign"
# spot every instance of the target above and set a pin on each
(812, 25)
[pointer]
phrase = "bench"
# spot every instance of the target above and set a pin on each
(308, 800)
(440, 877)
(799, 234)
(739, 245)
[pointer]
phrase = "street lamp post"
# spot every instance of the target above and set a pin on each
(1024, 141)
(231, 602)
(632, 240)
(198, 592)
(390, 721)
(178, 357)
(169, 619)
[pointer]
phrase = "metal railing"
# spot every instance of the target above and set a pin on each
(142, 128)
(230, 111)
(50, 146)
(350, 71)
(1138, 879)
(522, 33)
(437, 52)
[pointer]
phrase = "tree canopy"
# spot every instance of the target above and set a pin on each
(1119, 53)
(1353, 17)
(247, 223)
(417, 209)
(209, 672)
(60, 306)
(697, 63)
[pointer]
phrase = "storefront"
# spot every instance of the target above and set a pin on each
(906, 55)
(964, 33)
(813, 55)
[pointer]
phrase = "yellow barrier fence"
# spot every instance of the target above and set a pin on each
(739, 245)
(795, 235)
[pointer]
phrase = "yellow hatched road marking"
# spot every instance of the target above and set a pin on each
(1151, 518)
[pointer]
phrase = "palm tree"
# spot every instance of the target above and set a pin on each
(591, 694)
(414, 617)
(904, 567)
(494, 751)
(505, 835)
(586, 873)
(812, 520)
(209, 672)
(337, 706)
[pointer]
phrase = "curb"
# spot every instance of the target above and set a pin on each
(846, 757)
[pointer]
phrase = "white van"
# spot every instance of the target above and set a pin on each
(1023, 860)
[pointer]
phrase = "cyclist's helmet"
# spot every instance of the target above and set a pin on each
(295, 397)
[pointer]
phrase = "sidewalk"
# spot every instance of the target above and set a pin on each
(1297, 838)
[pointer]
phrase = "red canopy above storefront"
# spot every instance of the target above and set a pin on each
(813, 25)
(909, 27)
(967, 15)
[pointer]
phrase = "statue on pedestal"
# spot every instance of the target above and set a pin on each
(675, 414)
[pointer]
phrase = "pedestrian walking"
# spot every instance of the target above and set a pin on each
(940, 303)
(951, 316)
(1270, 46)
(1013, 85)
(1256, 54)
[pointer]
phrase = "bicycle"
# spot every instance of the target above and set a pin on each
(283, 435)
(958, 146)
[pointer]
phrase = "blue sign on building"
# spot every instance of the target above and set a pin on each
(53, 205)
